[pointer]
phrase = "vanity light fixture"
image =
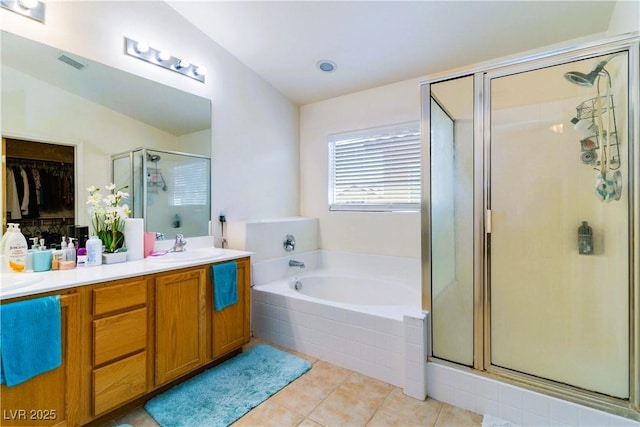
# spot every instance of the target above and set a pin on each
(162, 58)
(33, 9)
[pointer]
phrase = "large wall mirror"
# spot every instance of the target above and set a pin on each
(62, 100)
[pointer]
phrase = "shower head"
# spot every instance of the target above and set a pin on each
(153, 157)
(588, 79)
(583, 79)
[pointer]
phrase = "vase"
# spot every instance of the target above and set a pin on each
(114, 257)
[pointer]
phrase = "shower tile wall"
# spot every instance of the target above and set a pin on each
(514, 404)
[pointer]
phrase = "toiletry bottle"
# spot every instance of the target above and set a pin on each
(94, 251)
(71, 250)
(5, 236)
(55, 262)
(3, 245)
(81, 259)
(585, 239)
(34, 244)
(16, 250)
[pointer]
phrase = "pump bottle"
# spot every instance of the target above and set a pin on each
(16, 250)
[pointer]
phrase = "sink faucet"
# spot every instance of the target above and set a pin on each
(294, 263)
(179, 244)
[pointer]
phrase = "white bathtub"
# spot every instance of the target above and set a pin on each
(354, 290)
(357, 311)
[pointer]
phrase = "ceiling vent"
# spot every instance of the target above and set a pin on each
(75, 64)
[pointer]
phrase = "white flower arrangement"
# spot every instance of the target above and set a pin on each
(108, 216)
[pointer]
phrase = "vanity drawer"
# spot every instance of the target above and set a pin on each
(119, 335)
(119, 382)
(119, 297)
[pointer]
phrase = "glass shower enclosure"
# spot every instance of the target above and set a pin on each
(531, 249)
(170, 190)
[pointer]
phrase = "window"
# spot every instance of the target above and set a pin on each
(191, 184)
(375, 169)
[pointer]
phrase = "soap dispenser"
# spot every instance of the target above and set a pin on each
(71, 250)
(5, 236)
(16, 250)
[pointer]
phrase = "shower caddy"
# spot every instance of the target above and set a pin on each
(610, 151)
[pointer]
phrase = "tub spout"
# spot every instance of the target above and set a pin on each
(294, 263)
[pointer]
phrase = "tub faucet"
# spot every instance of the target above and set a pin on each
(179, 244)
(294, 263)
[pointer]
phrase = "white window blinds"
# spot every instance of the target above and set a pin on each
(375, 169)
(191, 184)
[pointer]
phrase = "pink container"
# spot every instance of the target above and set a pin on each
(149, 242)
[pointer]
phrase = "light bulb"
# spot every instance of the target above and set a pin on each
(201, 71)
(164, 55)
(142, 47)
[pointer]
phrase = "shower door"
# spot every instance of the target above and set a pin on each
(558, 224)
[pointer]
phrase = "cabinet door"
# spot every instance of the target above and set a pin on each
(231, 324)
(180, 314)
(51, 398)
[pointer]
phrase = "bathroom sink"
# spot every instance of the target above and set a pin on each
(187, 255)
(12, 281)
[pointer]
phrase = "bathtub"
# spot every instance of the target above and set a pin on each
(361, 312)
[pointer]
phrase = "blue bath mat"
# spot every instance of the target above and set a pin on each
(221, 395)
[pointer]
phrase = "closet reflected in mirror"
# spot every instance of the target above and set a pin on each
(40, 188)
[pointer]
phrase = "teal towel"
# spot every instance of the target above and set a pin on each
(225, 284)
(30, 339)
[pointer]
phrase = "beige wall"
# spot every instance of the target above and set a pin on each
(383, 233)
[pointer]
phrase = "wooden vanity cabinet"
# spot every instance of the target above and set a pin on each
(231, 325)
(120, 342)
(180, 323)
(51, 398)
(125, 338)
(188, 331)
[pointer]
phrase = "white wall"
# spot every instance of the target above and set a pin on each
(383, 233)
(625, 17)
(254, 128)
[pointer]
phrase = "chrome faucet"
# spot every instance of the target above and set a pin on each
(179, 244)
(294, 263)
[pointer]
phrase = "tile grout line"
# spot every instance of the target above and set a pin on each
(379, 407)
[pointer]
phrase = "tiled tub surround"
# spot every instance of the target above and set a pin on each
(386, 342)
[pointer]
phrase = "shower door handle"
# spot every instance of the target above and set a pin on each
(487, 226)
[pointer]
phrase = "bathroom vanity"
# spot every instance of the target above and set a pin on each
(132, 331)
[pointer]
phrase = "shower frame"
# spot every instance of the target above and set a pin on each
(629, 43)
(133, 195)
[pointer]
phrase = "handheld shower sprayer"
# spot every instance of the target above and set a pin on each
(589, 78)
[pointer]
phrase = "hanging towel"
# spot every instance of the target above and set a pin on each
(30, 339)
(225, 284)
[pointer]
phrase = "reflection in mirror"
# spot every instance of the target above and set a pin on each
(56, 97)
(451, 124)
(170, 190)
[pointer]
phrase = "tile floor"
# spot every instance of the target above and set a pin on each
(329, 396)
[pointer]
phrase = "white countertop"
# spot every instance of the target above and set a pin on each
(48, 281)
